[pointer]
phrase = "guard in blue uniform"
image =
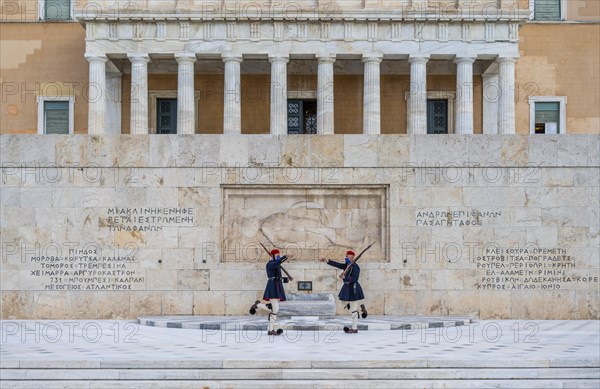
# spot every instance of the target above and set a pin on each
(274, 292)
(351, 291)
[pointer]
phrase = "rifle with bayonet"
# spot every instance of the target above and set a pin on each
(282, 261)
(354, 260)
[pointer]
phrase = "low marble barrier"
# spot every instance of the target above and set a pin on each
(314, 304)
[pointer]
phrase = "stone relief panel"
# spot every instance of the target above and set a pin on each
(311, 222)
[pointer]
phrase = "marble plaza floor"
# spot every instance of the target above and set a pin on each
(480, 354)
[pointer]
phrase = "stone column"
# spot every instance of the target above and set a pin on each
(186, 103)
(417, 101)
(464, 95)
(232, 120)
(506, 103)
(97, 94)
(278, 94)
(372, 95)
(325, 100)
(491, 95)
(139, 93)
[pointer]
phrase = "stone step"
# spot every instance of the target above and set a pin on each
(303, 384)
(259, 323)
(300, 374)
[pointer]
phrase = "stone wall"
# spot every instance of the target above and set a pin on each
(121, 226)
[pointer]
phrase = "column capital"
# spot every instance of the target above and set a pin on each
(372, 57)
(232, 58)
(96, 58)
(138, 57)
(464, 59)
(506, 59)
(279, 58)
(185, 57)
(326, 58)
(418, 59)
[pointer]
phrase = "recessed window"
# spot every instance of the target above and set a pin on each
(548, 115)
(55, 10)
(548, 10)
(55, 115)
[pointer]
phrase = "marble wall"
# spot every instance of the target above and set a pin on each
(121, 226)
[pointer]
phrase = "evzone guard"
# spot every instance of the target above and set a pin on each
(274, 292)
(351, 292)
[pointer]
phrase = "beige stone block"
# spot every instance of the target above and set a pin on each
(133, 150)
(44, 146)
(446, 196)
(264, 150)
(11, 197)
(67, 197)
(234, 150)
(296, 150)
(102, 150)
(515, 150)
(190, 237)
(393, 150)
(573, 150)
(131, 197)
(198, 197)
(177, 302)
(322, 280)
(446, 279)
(415, 279)
(163, 150)
(51, 217)
(402, 217)
(167, 238)
(128, 238)
(225, 279)
(17, 305)
(525, 216)
(83, 305)
(509, 196)
(327, 150)
(542, 196)
(254, 279)
(49, 305)
(178, 258)
(10, 279)
(574, 236)
(510, 236)
(485, 150)
(403, 303)
(478, 196)
(543, 151)
(144, 303)
(179, 178)
(209, 303)
(238, 303)
(189, 279)
(99, 197)
(543, 236)
(163, 197)
(494, 305)
(35, 197)
(383, 279)
(360, 151)
(161, 279)
(203, 149)
(557, 216)
(556, 177)
(572, 197)
(464, 303)
(114, 305)
(19, 217)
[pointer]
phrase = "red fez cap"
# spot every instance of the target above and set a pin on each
(275, 252)
(350, 252)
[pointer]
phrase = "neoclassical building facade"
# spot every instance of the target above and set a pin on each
(306, 66)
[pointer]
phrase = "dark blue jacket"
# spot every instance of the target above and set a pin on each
(274, 289)
(351, 291)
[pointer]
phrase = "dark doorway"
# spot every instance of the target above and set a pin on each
(302, 117)
(166, 121)
(437, 116)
